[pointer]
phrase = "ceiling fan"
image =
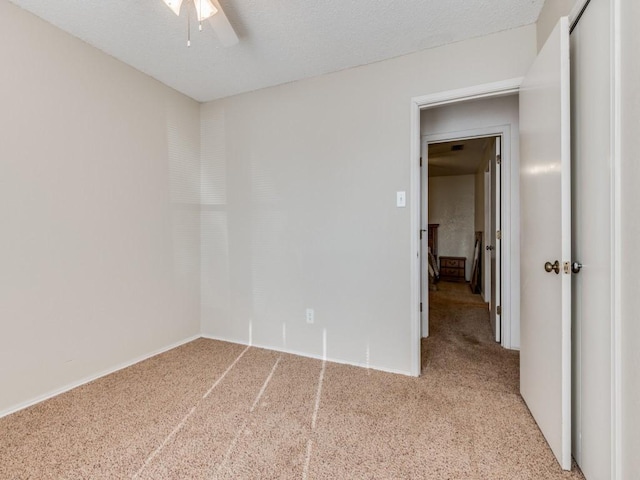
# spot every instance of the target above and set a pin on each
(212, 11)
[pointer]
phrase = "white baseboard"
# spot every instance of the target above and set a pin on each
(91, 378)
(307, 355)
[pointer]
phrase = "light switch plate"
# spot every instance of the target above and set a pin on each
(401, 199)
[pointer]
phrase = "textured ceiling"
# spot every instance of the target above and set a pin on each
(444, 162)
(280, 40)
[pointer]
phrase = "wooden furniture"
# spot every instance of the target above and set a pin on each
(452, 269)
(433, 239)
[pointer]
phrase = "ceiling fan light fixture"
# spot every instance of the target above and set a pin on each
(174, 5)
(205, 9)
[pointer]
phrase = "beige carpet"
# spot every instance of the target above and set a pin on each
(210, 410)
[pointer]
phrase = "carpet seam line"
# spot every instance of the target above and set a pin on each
(157, 451)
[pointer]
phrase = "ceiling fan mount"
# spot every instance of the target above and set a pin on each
(212, 11)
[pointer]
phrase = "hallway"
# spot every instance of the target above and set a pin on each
(461, 344)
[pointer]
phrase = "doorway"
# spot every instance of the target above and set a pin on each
(461, 195)
(475, 119)
(464, 113)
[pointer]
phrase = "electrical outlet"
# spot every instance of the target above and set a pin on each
(309, 315)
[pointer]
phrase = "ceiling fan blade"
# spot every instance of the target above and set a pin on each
(222, 27)
(204, 9)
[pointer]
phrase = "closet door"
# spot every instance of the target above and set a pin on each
(591, 182)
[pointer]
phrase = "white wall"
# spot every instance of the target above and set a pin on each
(451, 205)
(300, 210)
(99, 193)
(630, 101)
(548, 18)
(454, 120)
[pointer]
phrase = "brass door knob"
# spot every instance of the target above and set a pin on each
(552, 267)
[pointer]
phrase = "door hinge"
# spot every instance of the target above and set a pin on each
(499, 235)
(420, 307)
(498, 159)
(420, 161)
(498, 310)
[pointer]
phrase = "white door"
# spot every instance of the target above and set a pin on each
(591, 147)
(488, 228)
(496, 243)
(545, 195)
(424, 240)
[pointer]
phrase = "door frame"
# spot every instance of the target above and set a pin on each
(504, 133)
(616, 241)
(417, 104)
